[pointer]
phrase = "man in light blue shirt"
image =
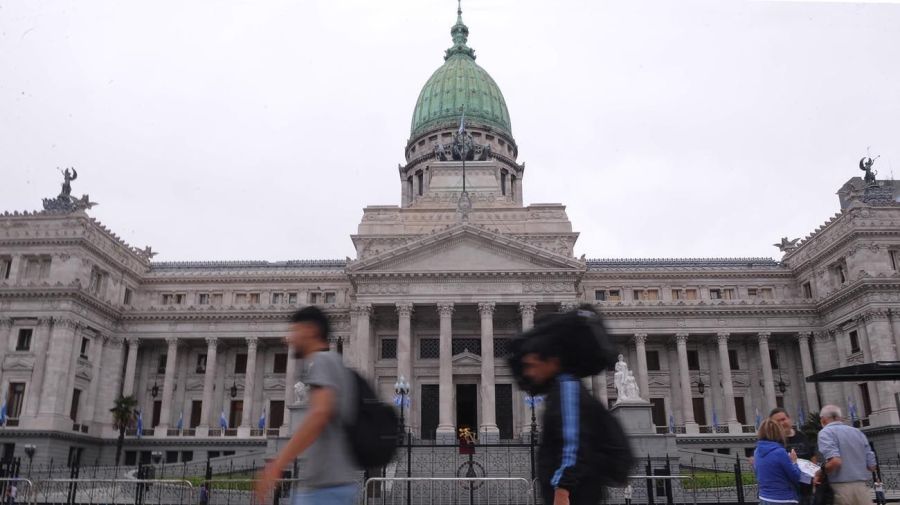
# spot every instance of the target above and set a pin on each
(849, 461)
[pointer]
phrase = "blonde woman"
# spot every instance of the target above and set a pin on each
(776, 469)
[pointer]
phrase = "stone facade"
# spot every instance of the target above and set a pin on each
(433, 295)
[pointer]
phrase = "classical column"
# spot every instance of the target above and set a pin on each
(7, 333)
(876, 325)
(209, 382)
(96, 377)
(247, 421)
(41, 341)
(727, 385)
(60, 353)
(527, 310)
(130, 366)
(489, 428)
(445, 429)
(768, 378)
(110, 384)
(165, 416)
(404, 342)
(640, 341)
(290, 378)
(812, 398)
(684, 375)
(363, 341)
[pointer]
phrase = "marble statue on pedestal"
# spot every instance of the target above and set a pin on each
(627, 389)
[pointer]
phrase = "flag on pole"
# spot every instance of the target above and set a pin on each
(715, 421)
(671, 423)
(851, 406)
(140, 424)
(758, 418)
(262, 420)
(223, 422)
(802, 420)
(180, 424)
(3, 412)
(462, 122)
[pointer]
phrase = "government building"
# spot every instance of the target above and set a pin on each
(440, 284)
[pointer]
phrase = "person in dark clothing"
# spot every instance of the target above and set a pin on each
(797, 441)
(565, 459)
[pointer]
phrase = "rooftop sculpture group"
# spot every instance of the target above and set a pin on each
(65, 202)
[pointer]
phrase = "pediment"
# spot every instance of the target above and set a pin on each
(18, 363)
(466, 358)
(466, 248)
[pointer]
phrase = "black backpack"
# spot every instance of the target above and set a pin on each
(614, 457)
(373, 432)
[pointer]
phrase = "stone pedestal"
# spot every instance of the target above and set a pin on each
(636, 419)
(296, 413)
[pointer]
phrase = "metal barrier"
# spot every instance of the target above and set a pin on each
(240, 492)
(112, 491)
(17, 488)
(448, 491)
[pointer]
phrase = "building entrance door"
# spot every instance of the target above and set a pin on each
(467, 407)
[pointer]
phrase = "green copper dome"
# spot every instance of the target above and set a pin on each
(459, 83)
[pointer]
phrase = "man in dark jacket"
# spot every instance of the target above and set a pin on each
(567, 463)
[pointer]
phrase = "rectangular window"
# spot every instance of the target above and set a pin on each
(503, 176)
(96, 280)
(766, 293)
(167, 299)
(658, 411)
(16, 396)
(130, 458)
(5, 267)
(752, 292)
(171, 457)
(733, 359)
(894, 255)
(840, 276)
(653, 360)
(779, 401)
(388, 348)
(235, 414)
(240, 298)
(677, 294)
(196, 411)
(693, 360)
(201, 364)
(429, 348)
(866, 401)
(76, 400)
(330, 297)
(292, 298)
(715, 294)
(646, 294)
(740, 409)
(462, 345)
(179, 299)
(728, 294)
(187, 456)
(501, 347)
(253, 298)
(23, 343)
(600, 295)
(240, 363)
(203, 299)
(699, 411)
(277, 298)
(161, 364)
(420, 182)
(690, 294)
(279, 364)
(85, 345)
(276, 413)
(614, 295)
(314, 298)
(37, 268)
(128, 295)
(807, 290)
(216, 299)
(429, 410)
(773, 358)
(503, 410)
(854, 341)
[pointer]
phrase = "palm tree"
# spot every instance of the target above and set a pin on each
(123, 416)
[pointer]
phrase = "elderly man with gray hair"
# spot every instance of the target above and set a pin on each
(849, 461)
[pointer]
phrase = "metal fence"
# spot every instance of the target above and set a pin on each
(448, 491)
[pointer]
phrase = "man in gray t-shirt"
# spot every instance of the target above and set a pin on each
(330, 472)
(849, 461)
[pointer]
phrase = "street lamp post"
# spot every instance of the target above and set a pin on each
(532, 401)
(401, 389)
(30, 449)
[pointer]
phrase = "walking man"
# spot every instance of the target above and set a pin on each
(331, 476)
(849, 461)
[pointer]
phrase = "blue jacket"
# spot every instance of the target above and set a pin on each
(776, 473)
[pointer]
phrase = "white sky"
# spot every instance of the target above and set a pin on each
(259, 129)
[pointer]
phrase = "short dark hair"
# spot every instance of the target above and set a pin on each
(314, 315)
(779, 410)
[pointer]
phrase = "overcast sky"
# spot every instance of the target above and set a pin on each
(260, 129)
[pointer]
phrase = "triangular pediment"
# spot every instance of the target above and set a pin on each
(466, 358)
(466, 248)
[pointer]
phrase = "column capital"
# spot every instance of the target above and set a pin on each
(568, 306)
(640, 338)
(404, 309)
(172, 341)
(875, 315)
(445, 309)
(132, 340)
(362, 309)
(723, 337)
(681, 337)
(764, 336)
(252, 342)
(44, 321)
(212, 342)
(527, 307)
(804, 335)
(486, 309)
(115, 342)
(5, 323)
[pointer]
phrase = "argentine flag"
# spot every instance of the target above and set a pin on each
(262, 421)
(758, 418)
(3, 412)
(180, 424)
(223, 422)
(671, 423)
(802, 420)
(140, 424)
(852, 408)
(715, 421)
